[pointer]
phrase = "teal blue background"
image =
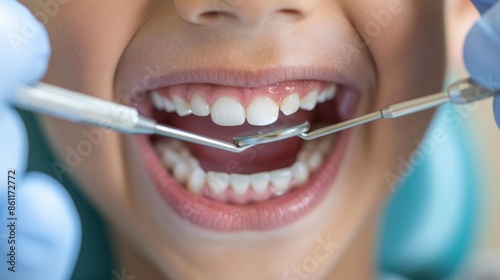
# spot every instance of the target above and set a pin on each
(430, 223)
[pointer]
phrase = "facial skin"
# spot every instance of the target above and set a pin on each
(103, 48)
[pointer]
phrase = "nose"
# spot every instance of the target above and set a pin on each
(246, 12)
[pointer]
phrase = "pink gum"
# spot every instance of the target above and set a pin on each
(210, 92)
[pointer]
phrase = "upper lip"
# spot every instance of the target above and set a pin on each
(136, 76)
(250, 79)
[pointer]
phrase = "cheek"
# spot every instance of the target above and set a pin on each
(88, 39)
(411, 55)
(414, 66)
(406, 41)
(407, 46)
(93, 157)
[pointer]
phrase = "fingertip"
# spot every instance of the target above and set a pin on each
(50, 200)
(51, 217)
(14, 140)
(481, 47)
(24, 46)
(483, 5)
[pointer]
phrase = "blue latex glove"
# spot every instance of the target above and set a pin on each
(47, 229)
(482, 49)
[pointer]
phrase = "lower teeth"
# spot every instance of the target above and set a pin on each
(242, 188)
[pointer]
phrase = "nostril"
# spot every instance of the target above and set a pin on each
(212, 16)
(245, 12)
(290, 11)
(293, 13)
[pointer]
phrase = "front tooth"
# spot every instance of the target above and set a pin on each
(290, 104)
(227, 111)
(196, 180)
(262, 111)
(199, 106)
(217, 182)
(281, 179)
(181, 106)
(260, 181)
(240, 183)
(300, 172)
(157, 100)
(309, 101)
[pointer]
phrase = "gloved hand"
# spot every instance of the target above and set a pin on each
(482, 49)
(47, 231)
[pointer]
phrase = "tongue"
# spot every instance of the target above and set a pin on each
(257, 159)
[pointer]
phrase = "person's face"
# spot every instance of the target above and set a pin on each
(239, 60)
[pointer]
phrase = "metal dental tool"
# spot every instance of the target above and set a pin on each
(461, 92)
(79, 107)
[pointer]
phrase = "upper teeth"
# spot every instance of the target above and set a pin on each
(228, 111)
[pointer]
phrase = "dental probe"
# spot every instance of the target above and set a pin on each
(460, 92)
(78, 107)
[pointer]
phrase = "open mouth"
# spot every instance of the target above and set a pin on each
(265, 187)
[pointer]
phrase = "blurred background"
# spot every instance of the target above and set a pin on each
(442, 221)
(484, 261)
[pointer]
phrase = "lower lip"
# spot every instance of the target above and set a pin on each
(267, 215)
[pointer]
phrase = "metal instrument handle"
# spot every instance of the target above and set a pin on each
(78, 107)
(461, 92)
